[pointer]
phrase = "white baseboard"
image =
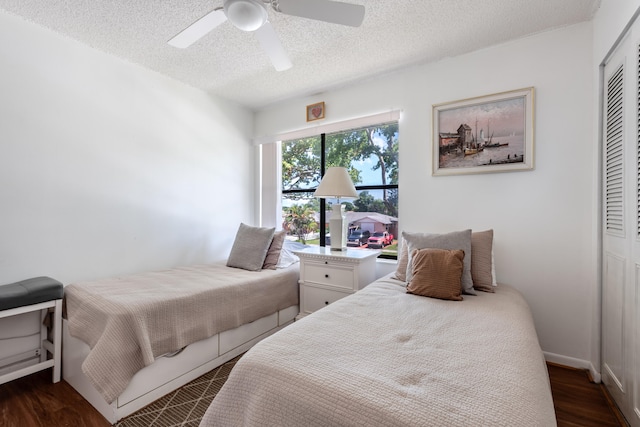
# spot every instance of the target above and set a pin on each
(573, 363)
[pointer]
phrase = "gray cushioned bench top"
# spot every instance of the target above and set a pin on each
(30, 291)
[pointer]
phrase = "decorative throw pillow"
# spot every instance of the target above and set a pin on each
(403, 258)
(450, 241)
(273, 254)
(250, 247)
(436, 273)
(482, 260)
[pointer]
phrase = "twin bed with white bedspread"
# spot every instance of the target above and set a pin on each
(118, 331)
(384, 357)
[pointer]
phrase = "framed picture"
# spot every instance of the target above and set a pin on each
(315, 111)
(492, 133)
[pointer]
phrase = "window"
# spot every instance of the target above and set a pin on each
(370, 154)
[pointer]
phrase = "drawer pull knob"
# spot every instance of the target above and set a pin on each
(326, 275)
(326, 303)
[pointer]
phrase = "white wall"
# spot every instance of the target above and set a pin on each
(108, 168)
(609, 23)
(543, 219)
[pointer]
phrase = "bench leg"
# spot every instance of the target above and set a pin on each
(57, 340)
(53, 346)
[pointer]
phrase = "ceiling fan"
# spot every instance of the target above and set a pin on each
(251, 15)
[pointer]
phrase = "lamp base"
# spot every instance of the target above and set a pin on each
(338, 228)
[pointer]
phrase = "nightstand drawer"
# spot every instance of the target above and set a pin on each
(326, 275)
(330, 274)
(316, 298)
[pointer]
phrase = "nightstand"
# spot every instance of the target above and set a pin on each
(326, 275)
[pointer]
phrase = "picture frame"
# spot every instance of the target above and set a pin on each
(461, 146)
(315, 111)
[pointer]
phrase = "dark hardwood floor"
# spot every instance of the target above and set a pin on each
(35, 401)
(580, 402)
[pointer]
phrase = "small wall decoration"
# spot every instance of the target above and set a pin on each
(315, 111)
(492, 133)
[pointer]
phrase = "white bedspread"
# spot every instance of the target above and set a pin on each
(129, 321)
(382, 357)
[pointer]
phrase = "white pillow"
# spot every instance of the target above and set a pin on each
(287, 257)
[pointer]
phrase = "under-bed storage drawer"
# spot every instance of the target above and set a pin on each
(288, 314)
(316, 298)
(165, 369)
(235, 337)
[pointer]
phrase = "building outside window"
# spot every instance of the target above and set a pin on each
(370, 154)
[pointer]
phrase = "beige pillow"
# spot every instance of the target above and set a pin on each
(436, 273)
(250, 247)
(273, 254)
(482, 260)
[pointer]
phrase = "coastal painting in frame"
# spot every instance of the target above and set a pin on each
(492, 133)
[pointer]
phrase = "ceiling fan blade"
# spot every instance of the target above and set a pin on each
(271, 45)
(324, 10)
(198, 29)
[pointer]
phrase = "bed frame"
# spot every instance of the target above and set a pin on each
(169, 372)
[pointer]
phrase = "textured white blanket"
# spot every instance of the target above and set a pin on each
(129, 321)
(382, 357)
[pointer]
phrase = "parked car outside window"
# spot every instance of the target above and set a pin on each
(358, 238)
(380, 239)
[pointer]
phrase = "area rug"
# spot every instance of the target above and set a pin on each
(184, 407)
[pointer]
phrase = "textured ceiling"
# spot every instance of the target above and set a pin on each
(230, 63)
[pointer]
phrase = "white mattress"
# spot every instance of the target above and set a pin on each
(382, 357)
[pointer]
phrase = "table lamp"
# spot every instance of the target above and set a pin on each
(336, 184)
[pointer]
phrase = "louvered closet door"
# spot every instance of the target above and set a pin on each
(621, 231)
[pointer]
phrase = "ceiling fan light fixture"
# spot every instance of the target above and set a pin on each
(246, 15)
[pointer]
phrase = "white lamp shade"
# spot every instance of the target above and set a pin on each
(336, 184)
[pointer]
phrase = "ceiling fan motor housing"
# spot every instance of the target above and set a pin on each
(246, 15)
